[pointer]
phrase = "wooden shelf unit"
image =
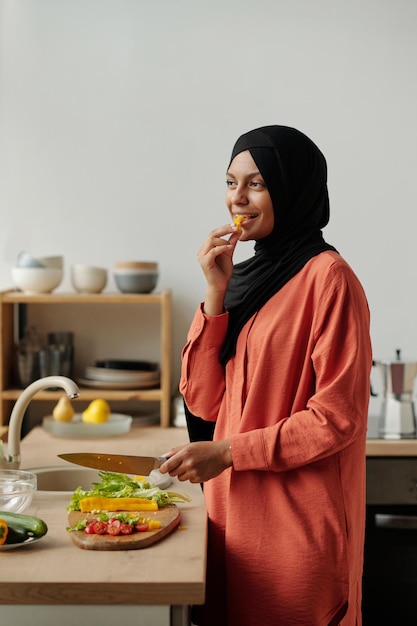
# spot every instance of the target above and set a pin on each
(9, 300)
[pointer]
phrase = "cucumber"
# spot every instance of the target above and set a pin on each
(21, 527)
(16, 536)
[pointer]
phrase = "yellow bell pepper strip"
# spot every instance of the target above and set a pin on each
(238, 221)
(96, 503)
(4, 529)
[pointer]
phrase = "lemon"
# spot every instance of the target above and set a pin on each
(97, 412)
(63, 411)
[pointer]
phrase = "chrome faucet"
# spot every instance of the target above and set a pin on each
(15, 425)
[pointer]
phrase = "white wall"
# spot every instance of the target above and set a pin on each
(117, 118)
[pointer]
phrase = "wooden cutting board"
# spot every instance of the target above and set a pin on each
(168, 516)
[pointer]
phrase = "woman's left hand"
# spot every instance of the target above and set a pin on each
(198, 461)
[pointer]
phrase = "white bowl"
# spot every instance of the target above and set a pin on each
(88, 279)
(34, 280)
(16, 490)
(51, 261)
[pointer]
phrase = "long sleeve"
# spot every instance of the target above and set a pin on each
(198, 365)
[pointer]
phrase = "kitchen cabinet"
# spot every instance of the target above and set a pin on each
(11, 302)
(390, 571)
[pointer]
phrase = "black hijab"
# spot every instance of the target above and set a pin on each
(295, 173)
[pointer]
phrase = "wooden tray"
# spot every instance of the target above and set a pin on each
(168, 516)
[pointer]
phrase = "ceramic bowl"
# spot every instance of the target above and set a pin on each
(16, 490)
(88, 279)
(138, 266)
(136, 276)
(135, 281)
(24, 259)
(51, 261)
(34, 280)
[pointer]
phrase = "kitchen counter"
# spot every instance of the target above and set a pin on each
(54, 571)
(376, 447)
(391, 447)
(391, 469)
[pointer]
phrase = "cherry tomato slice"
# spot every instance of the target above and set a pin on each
(142, 527)
(113, 527)
(100, 528)
(126, 529)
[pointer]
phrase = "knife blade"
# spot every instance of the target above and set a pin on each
(121, 463)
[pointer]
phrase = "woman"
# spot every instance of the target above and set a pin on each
(279, 357)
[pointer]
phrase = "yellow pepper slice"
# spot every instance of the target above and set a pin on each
(148, 524)
(96, 503)
(154, 524)
(4, 530)
(238, 221)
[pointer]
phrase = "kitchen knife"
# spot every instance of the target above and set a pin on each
(121, 463)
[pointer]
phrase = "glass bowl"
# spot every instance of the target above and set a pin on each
(16, 490)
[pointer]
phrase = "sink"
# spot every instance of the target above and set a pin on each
(62, 479)
(65, 478)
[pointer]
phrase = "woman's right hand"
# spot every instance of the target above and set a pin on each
(216, 260)
(198, 461)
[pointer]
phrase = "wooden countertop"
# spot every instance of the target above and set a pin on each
(387, 447)
(55, 571)
(391, 447)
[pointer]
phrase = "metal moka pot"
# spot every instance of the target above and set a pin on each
(397, 419)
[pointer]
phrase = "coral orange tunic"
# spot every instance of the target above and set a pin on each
(286, 523)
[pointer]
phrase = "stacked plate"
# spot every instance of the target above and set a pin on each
(116, 374)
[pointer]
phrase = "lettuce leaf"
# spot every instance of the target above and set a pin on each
(114, 485)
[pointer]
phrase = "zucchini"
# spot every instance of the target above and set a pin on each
(22, 527)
